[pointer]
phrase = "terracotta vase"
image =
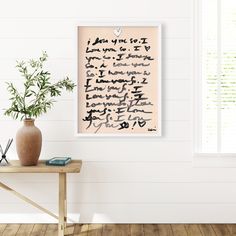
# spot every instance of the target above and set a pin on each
(28, 143)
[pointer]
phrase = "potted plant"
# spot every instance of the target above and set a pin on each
(36, 98)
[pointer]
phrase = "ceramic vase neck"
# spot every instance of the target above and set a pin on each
(29, 122)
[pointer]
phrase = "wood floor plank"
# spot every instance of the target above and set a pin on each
(25, 230)
(123, 229)
(52, 230)
(11, 230)
(2, 228)
(232, 229)
(221, 229)
(193, 230)
(108, 230)
(164, 230)
(95, 229)
(81, 230)
(69, 230)
(136, 230)
(150, 230)
(115, 230)
(179, 230)
(207, 230)
(39, 230)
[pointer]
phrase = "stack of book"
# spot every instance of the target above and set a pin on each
(58, 161)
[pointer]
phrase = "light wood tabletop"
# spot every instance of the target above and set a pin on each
(15, 167)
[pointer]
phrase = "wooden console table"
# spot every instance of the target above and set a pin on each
(73, 167)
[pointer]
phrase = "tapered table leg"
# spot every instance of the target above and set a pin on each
(65, 201)
(62, 210)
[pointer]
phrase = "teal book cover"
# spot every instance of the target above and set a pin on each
(58, 161)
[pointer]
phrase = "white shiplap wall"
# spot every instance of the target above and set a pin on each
(123, 179)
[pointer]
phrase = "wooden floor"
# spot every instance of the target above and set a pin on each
(120, 230)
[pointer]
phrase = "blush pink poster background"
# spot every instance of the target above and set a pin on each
(118, 80)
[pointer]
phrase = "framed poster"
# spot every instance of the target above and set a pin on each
(119, 79)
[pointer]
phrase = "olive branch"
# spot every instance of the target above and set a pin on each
(38, 93)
